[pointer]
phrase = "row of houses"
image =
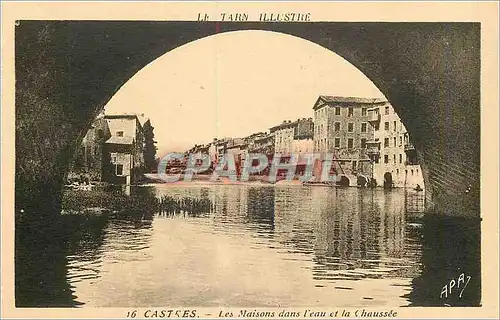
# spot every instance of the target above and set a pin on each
(367, 138)
(116, 149)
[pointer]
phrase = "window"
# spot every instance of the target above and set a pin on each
(363, 143)
(119, 133)
(354, 165)
(119, 169)
(400, 140)
(400, 158)
(113, 157)
(350, 143)
(386, 158)
(337, 142)
(394, 158)
(350, 127)
(337, 126)
(397, 171)
(411, 171)
(386, 142)
(395, 126)
(376, 127)
(100, 133)
(337, 111)
(363, 111)
(395, 141)
(387, 110)
(363, 127)
(351, 112)
(386, 126)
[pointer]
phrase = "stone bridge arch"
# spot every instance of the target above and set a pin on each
(66, 71)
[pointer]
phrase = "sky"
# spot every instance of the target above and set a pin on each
(234, 84)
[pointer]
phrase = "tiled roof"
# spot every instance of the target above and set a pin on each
(336, 99)
(340, 101)
(120, 116)
(120, 140)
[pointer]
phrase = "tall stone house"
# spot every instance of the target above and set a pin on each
(368, 141)
(395, 160)
(114, 150)
(341, 128)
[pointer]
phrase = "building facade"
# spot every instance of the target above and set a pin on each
(283, 136)
(294, 137)
(395, 162)
(125, 148)
(342, 129)
(90, 157)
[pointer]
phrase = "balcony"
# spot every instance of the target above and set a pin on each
(373, 116)
(373, 149)
(409, 147)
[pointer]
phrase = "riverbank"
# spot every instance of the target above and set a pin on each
(253, 180)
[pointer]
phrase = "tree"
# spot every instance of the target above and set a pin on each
(149, 147)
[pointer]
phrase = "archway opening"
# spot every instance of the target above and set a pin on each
(362, 181)
(388, 183)
(199, 92)
(343, 181)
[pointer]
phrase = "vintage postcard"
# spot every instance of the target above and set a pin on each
(279, 160)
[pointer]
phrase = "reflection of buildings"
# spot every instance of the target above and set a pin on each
(260, 205)
(245, 206)
(345, 230)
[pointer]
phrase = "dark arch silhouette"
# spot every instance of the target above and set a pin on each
(66, 71)
(362, 181)
(344, 181)
(387, 180)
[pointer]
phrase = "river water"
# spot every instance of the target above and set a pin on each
(267, 246)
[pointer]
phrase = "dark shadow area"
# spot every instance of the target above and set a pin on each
(46, 248)
(451, 247)
(41, 251)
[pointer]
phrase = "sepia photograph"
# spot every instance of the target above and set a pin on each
(250, 164)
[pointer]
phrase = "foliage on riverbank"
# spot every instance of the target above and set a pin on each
(141, 203)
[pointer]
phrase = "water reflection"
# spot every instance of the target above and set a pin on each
(286, 245)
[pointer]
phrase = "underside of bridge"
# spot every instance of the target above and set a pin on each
(66, 71)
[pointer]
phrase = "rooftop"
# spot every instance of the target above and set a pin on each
(342, 101)
(284, 124)
(120, 140)
(140, 117)
(122, 115)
